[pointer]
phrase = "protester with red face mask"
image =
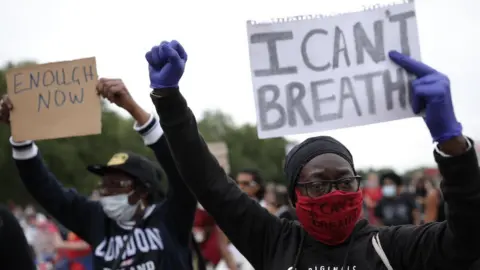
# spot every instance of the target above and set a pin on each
(324, 186)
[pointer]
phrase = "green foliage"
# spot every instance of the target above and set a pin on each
(246, 150)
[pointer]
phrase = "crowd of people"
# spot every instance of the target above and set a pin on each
(52, 246)
(241, 222)
(389, 200)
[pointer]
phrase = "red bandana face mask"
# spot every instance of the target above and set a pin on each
(330, 218)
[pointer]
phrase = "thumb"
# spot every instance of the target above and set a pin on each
(418, 103)
(172, 55)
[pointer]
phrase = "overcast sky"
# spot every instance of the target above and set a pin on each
(118, 33)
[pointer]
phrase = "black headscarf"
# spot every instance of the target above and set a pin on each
(304, 152)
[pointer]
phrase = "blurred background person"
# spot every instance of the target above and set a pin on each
(73, 253)
(395, 207)
(251, 182)
(280, 205)
(212, 247)
(15, 252)
(269, 196)
(430, 200)
(372, 193)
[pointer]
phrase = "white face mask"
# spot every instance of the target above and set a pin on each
(117, 207)
(389, 191)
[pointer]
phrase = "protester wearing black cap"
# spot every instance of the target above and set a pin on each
(324, 186)
(133, 226)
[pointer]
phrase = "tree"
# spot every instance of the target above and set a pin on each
(246, 150)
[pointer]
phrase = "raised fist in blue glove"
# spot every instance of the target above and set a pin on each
(431, 92)
(166, 64)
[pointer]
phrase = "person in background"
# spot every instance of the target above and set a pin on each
(251, 182)
(372, 193)
(134, 225)
(395, 207)
(430, 199)
(15, 253)
(74, 253)
(281, 206)
(207, 235)
(45, 238)
(29, 226)
(269, 196)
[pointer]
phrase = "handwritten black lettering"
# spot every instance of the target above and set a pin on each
(402, 18)
(48, 78)
(74, 98)
(295, 104)
(368, 80)
(42, 100)
(363, 43)
(303, 50)
(59, 98)
(319, 96)
(275, 113)
(267, 106)
(346, 92)
(88, 73)
(317, 101)
(374, 46)
(340, 46)
(52, 78)
(391, 86)
(274, 64)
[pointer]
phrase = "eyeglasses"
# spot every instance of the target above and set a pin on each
(247, 183)
(318, 188)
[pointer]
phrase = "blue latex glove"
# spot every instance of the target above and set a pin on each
(431, 92)
(166, 64)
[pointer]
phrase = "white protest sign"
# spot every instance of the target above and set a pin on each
(313, 73)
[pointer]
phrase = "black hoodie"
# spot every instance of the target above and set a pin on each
(270, 243)
(160, 241)
(15, 253)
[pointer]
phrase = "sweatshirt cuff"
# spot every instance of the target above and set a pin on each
(469, 143)
(172, 108)
(23, 150)
(151, 131)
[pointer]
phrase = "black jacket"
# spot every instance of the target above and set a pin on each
(162, 241)
(15, 253)
(270, 243)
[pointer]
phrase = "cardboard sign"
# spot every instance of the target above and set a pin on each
(315, 73)
(220, 151)
(54, 100)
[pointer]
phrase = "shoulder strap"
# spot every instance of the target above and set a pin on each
(378, 248)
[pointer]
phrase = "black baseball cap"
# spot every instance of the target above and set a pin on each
(139, 167)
